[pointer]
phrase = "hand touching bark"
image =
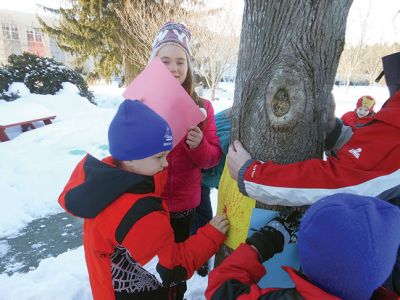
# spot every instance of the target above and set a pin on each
(194, 137)
(236, 157)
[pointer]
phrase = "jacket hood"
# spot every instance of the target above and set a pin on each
(390, 111)
(95, 184)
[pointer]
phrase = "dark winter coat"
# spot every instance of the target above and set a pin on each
(212, 176)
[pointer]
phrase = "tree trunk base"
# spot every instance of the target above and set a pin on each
(223, 253)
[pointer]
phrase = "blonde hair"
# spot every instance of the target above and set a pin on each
(189, 85)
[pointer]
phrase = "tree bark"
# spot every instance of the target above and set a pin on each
(130, 71)
(288, 56)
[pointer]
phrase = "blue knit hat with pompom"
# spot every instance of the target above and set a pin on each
(348, 244)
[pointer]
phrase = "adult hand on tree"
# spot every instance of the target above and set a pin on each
(236, 157)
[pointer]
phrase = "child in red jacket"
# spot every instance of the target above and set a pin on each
(363, 113)
(348, 247)
(129, 244)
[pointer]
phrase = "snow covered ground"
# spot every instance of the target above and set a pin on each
(35, 166)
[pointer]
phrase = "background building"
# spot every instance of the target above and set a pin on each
(20, 32)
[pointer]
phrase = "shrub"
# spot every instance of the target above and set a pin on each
(43, 75)
(5, 80)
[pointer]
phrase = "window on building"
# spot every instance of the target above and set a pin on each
(38, 35)
(30, 35)
(35, 42)
(10, 32)
(34, 35)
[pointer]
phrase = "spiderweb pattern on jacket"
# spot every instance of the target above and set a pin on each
(128, 275)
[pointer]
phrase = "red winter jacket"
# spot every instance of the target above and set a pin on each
(129, 244)
(182, 190)
(237, 277)
(351, 119)
(368, 164)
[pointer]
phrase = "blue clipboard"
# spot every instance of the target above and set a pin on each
(276, 276)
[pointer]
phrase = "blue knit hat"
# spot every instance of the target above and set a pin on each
(348, 244)
(137, 132)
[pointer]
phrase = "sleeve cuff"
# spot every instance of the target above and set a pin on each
(344, 137)
(217, 236)
(199, 148)
(240, 179)
(333, 136)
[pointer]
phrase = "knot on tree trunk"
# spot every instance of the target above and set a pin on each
(285, 99)
(280, 103)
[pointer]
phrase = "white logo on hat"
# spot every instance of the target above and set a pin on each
(356, 152)
(180, 36)
(168, 137)
(160, 36)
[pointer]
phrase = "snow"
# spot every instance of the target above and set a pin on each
(18, 88)
(17, 111)
(35, 166)
(62, 277)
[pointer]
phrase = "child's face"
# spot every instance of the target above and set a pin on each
(174, 58)
(147, 166)
(362, 111)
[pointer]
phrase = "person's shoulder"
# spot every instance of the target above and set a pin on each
(349, 113)
(224, 115)
(135, 206)
(205, 101)
(348, 116)
(208, 107)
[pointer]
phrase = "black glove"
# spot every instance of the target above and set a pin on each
(290, 219)
(274, 235)
(268, 241)
(333, 135)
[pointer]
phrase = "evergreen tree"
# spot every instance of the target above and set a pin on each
(89, 29)
(96, 29)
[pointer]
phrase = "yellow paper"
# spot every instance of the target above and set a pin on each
(237, 207)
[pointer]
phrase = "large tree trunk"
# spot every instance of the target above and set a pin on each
(288, 57)
(130, 71)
